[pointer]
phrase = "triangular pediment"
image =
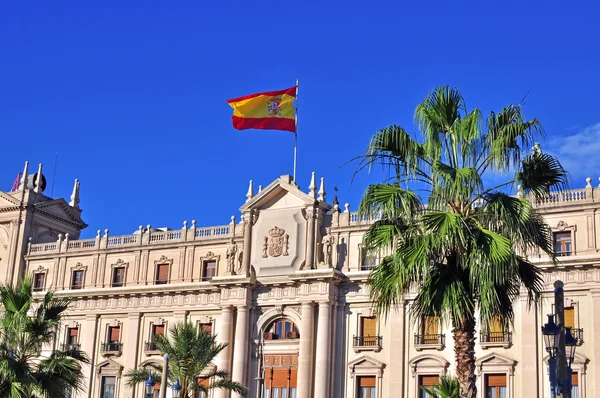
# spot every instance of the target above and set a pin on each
(7, 201)
(281, 193)
(365, 362)
(495, 359)
(109, 366)
(58, 208)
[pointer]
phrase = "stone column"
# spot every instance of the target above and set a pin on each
(89, 346)
(247, 244)
(224, 337)
(528, 333)
(322, 356)
(340, 341)
(240, 353)
(305, 355)
(131, 346)
(310, 241)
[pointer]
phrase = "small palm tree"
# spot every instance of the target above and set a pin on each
(191, 351)
(27, 325)
(449, 387)
(461, 243)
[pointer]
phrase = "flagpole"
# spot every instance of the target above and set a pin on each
(296, 132)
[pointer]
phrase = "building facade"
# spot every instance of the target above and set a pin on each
(286, 288)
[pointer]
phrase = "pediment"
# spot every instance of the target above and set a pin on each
(59, 208)
(365, 361)
(495, 359)
(109, 366)
(428, 360)
(281, 193)
(7, 201)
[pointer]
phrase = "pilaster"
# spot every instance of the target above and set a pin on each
(305, 356)
(240, 355)
(224, 337)
(528, 334)
(132, 345)
(89, 335)
(322, 364)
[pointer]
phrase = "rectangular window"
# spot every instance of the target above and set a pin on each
(366, 387)
(162, 274)
(430, 330)
(427, 382)
(369, 326)
(114, 336)
(562, 243)
(370, 260)
(495, 386)
(77, 282)
(118, 279)
(72, 336)
(207, 327)
(570, 317)
(209, 270)
(575, 385)
(108, 387)
(39, 282)
(281, 383)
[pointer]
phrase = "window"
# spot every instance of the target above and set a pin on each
(203, 381)
(72, 337)
(113, 339)
(368, 333)
(366, 387)
(39, 282)
(209, 270)
(562, 243)
(427, 382)
(162, 274)
(118, 279)
(575, 385)
(155, 330)
(282, 329)
(495, 386)
(281, 383)
(495, 334)
(108, 387)
(430, 330)
(570, 317)
(370, 261)
(207, 327)
(77, 282)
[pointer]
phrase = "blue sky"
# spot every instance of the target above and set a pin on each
(132, 94)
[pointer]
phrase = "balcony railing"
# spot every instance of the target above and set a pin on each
(430, 339)
(38, 288)
(495, 337)
(367, 343)
(111, 347)
(578, 334)
(564, 254)
(150, 346)
(70, 347)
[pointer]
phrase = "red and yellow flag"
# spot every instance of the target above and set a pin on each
(271, 110)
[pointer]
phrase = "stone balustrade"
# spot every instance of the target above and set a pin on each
(141, 238)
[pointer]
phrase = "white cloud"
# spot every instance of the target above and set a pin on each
(579, 153)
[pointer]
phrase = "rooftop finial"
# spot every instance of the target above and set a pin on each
(312, 187)
(38, 181)
(322, 192)
(589, 182)
(23, 185)
(74, 203)
(537, 149)
(250, 193)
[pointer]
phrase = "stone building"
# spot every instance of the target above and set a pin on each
(286, 288)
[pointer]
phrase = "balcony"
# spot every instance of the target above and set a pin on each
(430, 342)
(111, 349)
(70, 347)
(38, 288)
(150, 348)
(495, 339)
(367, 343)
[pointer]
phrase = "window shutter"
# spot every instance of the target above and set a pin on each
(498, 380)
(159, 329)
(569, 317)
(575, 379)
(293, 378)
(431, 325)
(280, 377)
(207, 327)
(495, 325)
(268, 375)
(203, 381)
(73, 332)
(163, 272)
(428, 381)
(115, 333)
(366, 381)
(369, 326)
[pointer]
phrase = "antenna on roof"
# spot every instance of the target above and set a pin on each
(54, 175)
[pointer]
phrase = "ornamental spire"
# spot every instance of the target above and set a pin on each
(312, 187)
(74, 203)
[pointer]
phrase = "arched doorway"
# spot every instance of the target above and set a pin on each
(280, 358)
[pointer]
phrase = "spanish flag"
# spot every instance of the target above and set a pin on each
(271, 110)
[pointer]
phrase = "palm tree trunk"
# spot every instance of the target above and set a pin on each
(464, 353)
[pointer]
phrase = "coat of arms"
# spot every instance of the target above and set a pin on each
(273, 106)
(278, 244)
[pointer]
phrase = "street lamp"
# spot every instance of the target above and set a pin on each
(149, 387)
(560, 345)
(176, 389)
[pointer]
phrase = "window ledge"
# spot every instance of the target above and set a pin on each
(361, 348)
(149, 353)
(111, 353)
(422, 347)
(496, 344)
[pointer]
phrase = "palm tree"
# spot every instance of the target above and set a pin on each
(26, 326)
(463, 244)
(191, 351)
(449, 387)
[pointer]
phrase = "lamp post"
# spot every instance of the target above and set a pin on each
(149, 387)
(165, 377)
(560, 345)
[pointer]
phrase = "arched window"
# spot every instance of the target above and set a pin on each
(282, 329)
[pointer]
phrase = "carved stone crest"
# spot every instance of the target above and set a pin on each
(278, 244)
